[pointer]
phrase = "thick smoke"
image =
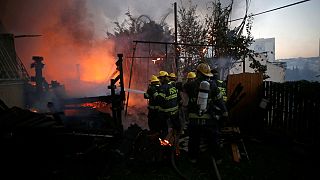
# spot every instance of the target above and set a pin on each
(67, 39)
(73, 32)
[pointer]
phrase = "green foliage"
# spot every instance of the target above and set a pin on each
(257, 66)
(215, 30)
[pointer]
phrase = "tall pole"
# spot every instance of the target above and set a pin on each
(176, 37)
(130, 77)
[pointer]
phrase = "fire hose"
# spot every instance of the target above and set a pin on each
(173, 154)
(182, 176)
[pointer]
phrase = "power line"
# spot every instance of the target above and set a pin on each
(21, 36)
(272, 10)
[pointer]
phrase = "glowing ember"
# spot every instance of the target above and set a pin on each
(95, 105)
(33, 110)
(164, 142)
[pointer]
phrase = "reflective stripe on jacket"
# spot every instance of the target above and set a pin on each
(153, 102)
(167, 98)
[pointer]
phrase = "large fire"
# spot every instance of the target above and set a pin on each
(73, 53)
(68, 38)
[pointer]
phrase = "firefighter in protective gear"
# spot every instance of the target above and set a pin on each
(184, 99)
(167, 96)
(172, 78)
(163, 74)
(153, 106)
(191, 76)
(203, 96)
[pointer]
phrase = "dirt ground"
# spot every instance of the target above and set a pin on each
(269, 159)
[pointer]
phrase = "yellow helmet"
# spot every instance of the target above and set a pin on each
(154, 78)
(163, 74)
(172, 75)
(205, 69)
(191, 75)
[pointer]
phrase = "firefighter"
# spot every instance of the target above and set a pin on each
(183, 110)
(203, 96)
(167, 97)
(153, 106)
(191, 76)
(168, 104)
(172, 78)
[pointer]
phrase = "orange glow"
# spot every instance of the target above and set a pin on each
(98, 64)
(95, 105)
(69, 39)
(99, 105)
(164, 142)
(33, 110)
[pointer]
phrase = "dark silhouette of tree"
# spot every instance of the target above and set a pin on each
(226, 44)
(191, 31)
(145, 29)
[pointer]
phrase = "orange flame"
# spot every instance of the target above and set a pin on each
(99, 105)
(164, 142)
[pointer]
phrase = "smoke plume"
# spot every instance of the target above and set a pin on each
(67, 39)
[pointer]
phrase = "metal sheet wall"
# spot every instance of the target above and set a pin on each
(13, 93)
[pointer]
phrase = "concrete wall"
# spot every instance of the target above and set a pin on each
(265, 45)
(276, 73)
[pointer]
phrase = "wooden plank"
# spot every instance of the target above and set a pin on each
(277, 108)
(281, 105)
(295, 118)
(269, 109)
(290, 107)
(286, 106)
(273, 103)
(235, 152)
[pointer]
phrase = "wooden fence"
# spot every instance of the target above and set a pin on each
(244, 94)
(293, 108)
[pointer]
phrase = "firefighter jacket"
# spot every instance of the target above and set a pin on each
(167, 97)
(153, 103)
(214, 99)
(222, 88)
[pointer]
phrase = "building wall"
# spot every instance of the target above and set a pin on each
(276, 73)
(13, 93)
(265, 45)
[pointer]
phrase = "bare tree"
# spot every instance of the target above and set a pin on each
(145, 29)
(228, 45)
(191, 31)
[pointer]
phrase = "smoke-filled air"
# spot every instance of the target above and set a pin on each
(70, 49)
